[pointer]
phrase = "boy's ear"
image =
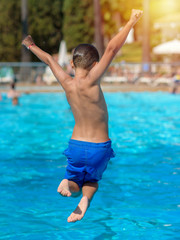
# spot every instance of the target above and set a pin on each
(94, 64)
(72, 64)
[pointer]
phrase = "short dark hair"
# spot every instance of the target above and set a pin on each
(13, 85)
(84, 55)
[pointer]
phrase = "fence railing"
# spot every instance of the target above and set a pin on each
(159, 73)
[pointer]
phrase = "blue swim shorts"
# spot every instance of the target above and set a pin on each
(87, 160)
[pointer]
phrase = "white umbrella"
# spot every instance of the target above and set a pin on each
(62, 55)
(171, 47)
(48, 76)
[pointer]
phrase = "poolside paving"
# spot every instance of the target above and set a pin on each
(107, 87)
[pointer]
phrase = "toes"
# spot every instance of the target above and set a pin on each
(59, 189)
(74, 218)
(64, 192)
(69, 194)
(71, 219)
(63, 188)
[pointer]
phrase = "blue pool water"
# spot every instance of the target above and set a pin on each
(138, 197)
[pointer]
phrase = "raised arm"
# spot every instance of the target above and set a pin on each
(58, 72)
(113, 47)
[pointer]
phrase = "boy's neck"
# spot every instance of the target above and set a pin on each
(81, 73)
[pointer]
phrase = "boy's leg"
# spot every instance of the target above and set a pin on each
(66, 188)
(88, 191)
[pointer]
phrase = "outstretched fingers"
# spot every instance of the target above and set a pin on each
(136, 15)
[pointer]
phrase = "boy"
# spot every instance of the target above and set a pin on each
(89, 148)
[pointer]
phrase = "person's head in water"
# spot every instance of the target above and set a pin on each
(15, 101)
(84, 56)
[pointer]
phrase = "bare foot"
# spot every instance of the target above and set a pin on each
(63, 188)
(79, 212)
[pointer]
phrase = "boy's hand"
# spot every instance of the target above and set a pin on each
(135, 16)
(28, 41)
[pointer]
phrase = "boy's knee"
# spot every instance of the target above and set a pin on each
(76, 194)
(92, 184)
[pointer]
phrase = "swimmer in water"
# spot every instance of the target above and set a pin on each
(13, 94)
(89, 148)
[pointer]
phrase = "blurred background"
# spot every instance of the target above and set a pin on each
(150, 56)
(139, 195)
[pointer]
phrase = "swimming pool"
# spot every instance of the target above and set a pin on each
(138, 197)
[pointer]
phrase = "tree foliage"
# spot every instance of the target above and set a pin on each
(10, 30)
(78, 24)
(45, 23)
(121, 9)
(50, 21)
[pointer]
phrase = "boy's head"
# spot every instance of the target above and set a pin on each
(84, 56)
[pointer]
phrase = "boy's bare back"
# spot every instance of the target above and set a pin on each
(89, 109)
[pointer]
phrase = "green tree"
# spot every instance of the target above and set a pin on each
(45, 23)
(78, 24)
(117, 10)
(10, 30)
(108, 9)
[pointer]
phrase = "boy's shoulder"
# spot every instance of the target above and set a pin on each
(80, 84)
